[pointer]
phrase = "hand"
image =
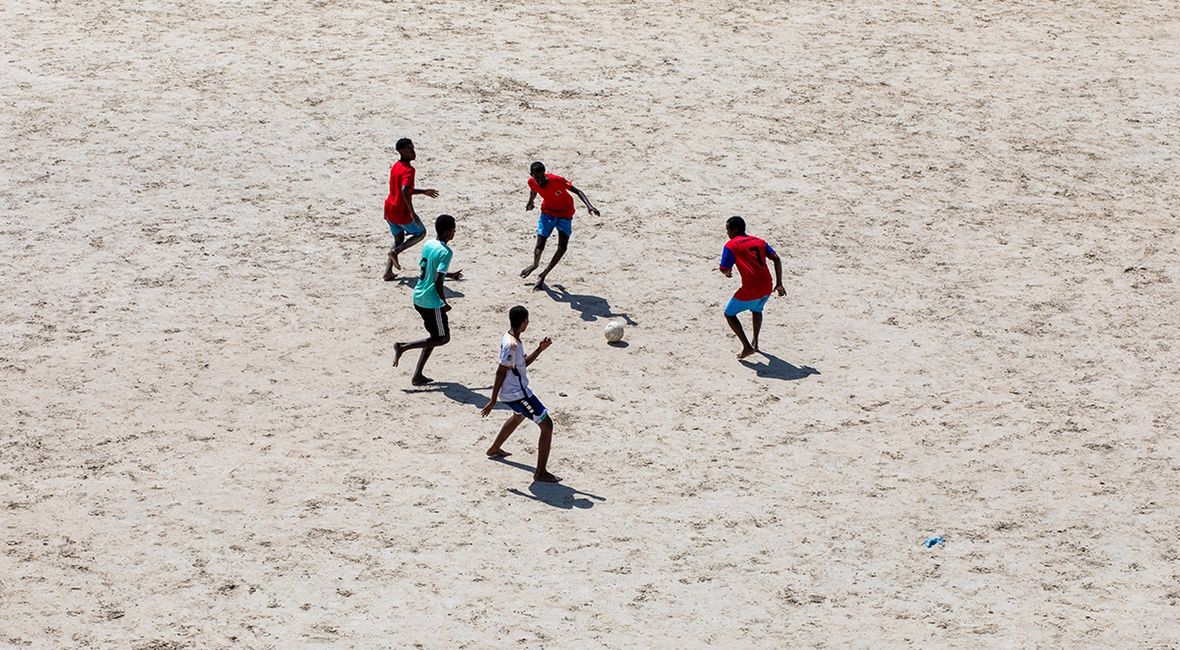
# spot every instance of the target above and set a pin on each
(529, 206)
(595, 212)
(457, 275)
(544, 344)
(485, 411)
(446, 308)
(431, 193)
(780, 290)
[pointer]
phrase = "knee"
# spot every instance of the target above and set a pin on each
(442, 340)
(547, 426)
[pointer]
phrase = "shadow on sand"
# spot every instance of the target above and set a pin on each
(411, 281)
(589, 307)
(456, 393)
(557, 495)
(776, 368)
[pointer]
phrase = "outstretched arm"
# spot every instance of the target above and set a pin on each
(541, 347)
(582, 195)
(501, 373)
(431, 193)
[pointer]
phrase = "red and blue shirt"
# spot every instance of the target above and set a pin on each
(555, 196)
(749, 254)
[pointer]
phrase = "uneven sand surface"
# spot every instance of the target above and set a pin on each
(203, 444)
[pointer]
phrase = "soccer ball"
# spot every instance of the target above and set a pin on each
(613, 332)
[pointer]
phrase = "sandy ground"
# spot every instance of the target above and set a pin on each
(204, 445)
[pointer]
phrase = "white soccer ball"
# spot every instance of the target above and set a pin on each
(613, 331)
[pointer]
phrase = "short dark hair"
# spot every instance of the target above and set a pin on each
(736, 224)
(536, 167)
(403, 143)
(443, 223)
(517, 316)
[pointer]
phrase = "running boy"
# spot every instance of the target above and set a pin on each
(429, 299)
(512, 387)
(750, 255)
(399, 206)
(557, 211)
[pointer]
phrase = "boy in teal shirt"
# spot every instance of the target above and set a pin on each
(429, 299)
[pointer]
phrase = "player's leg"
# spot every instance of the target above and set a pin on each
(401, 348)
(563, 240)
(391, 261)
(732, 310)
(414, 239)
(417, 233)
(545, 224)
(543, 444)
(757, 316)
(513, 421)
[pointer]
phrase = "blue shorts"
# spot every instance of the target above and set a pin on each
(736, 306)
(530, 407)
(412, 229)
(547, 223)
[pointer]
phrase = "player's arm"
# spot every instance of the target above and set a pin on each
(438, 286)
(727, 262)
(778, 271)
(428, 192)
(406, 196)
(501, 373)
(541, 347)
(582, 195)
(532, 197)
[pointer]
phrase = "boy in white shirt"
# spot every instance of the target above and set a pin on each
(512, 387)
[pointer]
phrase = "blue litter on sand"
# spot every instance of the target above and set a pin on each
(931, 542)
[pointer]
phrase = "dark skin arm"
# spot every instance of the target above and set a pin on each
(501, 373)
(582, 195)
(438, 286)
(541, 347)
(532, 197)
(778, 276)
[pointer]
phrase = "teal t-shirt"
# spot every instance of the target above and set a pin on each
(436, 256)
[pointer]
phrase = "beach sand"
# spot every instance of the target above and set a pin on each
(204, 444)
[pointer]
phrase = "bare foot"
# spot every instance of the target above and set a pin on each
(540, 285)
(527, 270)
(545, 477)
(389, 277)
(420, 380)
(396, 264)
(746, 351)
(498, 453)
(398, 351)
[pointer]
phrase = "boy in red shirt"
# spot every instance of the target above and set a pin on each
(750, 255)
(557, 211)
(399, 206)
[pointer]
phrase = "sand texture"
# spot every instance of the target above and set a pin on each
(203, 443)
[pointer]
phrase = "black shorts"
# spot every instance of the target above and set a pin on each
(435, 321)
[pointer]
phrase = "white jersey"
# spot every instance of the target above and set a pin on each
(516, 382)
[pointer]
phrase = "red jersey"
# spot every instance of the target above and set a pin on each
(396, 211)
(555, 196)
(750, 255)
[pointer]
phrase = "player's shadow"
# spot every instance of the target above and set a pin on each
(412, 281)
(557, 495)
(776, 368)
(455, 392)
(591, 307)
